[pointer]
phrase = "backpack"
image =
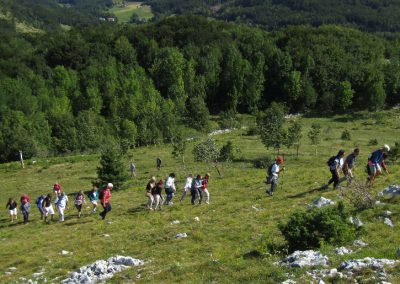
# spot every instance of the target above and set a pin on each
(39, 201)
(101, 194)
(331, 160)
(269, 170)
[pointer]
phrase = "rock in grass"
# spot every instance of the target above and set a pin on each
(197, 219)
(175, 222)
(368, 262)
(65, 252)
(390, 192)
(388, 222)
(359, 243)
(181, 236)
(102, 270)
(8, 273)
(342, 251)
(357, 222)
(321, 202)
(12, 268)
(289, 281)
(305, 258)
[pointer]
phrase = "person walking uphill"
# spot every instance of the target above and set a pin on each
(349, 165)
(334, 167)
(196, 189)
(204, 185)
(62, 204)
(273, 174)
(94, 197)
(149, 192)
(12, 207)
(105, 197)
(374, 163)
(187, 186)
(170, 188)
(79, 201)
(25, 209)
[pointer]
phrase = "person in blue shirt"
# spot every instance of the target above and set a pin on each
(94, 197)
(375, 161)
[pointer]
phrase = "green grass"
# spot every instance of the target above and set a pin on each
(229, 227)
(125, 13)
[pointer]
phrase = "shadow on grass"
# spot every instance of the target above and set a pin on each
(77, 222)
(302, 194)
(140, 208)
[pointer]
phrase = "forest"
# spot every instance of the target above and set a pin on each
(69, 92)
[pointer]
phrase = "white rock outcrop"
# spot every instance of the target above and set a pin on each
(181, 236)
(289, 281)
(359, 243)
(357, 222)
(101, 270)
(368, 262)
(321, 202)
(388, 222)
(343, 251)
(305, 258)
(175, 222)
(390, 192)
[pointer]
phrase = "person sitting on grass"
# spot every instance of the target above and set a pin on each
(48, 208)
(94, 197)
(12, 207)
(273, 175)
(374, 164)
(62, 203)
(25, 209)
(105, 197)
(335, 168)
(79, 201)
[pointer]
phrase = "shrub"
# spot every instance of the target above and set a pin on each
(229, 120)
(394, 153)
(373, 142)
(346, 135)
(308, 230)
(227, 152)
(359, 195)
(263, 163)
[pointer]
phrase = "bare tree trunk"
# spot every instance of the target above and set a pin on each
(219, 172)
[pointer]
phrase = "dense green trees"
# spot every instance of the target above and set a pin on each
(71, 91)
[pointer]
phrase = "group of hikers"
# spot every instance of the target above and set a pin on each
(338, 165)
(45, 205)
(197, 186)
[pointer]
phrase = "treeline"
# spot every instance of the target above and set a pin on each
(138, 85)
(49, 14)
(367, 15)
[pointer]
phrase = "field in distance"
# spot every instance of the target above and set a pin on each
(125, 11)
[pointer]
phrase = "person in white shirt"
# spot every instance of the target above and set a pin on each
(61, 203)
(273, 174)
(187, 186)
(170, 188)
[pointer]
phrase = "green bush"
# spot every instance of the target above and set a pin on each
(373, 142)
(227, 152)
(308, 230)
(346, 135)
(263, 163)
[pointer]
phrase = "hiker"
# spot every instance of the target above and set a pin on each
(132, 168)
(25, 209)
(94, 197)
(48, 207)
(204, 185)
(158, 163)
(375, 162)
(349, 165)
(12, 207)
(57, 188)
(187, 186)
(334, 167)
(25, 196)
(79, 201)
(195, 190)
(62, 204)
(105, 196)
(39, 202)
(157, 195)
(273, 175)
(149, 189)
(170, 188)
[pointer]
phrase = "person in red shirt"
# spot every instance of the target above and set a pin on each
(26, 197)
(105, 196)
(204, 188)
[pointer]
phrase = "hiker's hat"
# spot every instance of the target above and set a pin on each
(279, 159)
(110, 185)
(386, 147)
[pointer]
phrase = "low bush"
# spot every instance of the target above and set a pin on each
(263, 163)
(308, 230)
(346, 135)
(373, 142)
(227, 152)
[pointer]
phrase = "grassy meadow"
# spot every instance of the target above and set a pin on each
(125, 13)
(239, 219)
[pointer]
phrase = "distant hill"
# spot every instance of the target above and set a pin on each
(50, 14)
(367, 15)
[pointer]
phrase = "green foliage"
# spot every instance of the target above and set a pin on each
(227, 152)
(394, 154)
(346, 135)
(178, 146)
(228, 119)
(315, 133)
(112, 168)
(271, 126)
(294, 134)
(373, 142)
(263, 163)
(310, 229)
(345, 96)
(206, 151)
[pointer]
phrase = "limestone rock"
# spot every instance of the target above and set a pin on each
(357, 222)
(359, 243)
(368, 262)
(181, 236)
(321, 202)
(390, 192)
(388, 222)
(305, 258)
(342, 251)
(175, 222)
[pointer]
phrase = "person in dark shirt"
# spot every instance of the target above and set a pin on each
(48, 207)
(157, 194)
(12, 207)
(349, 165)
(158, 163)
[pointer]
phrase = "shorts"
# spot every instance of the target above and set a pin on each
(13, 211)
(94, 202)
(48, 210)
(78, 206)
(375, 168)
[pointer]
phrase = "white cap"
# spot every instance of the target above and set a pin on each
(386, 146)
(110, 184)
